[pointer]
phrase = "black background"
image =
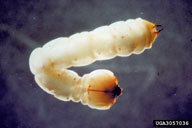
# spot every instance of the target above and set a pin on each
(157, 83)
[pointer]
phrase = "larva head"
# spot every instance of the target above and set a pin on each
(103, 89)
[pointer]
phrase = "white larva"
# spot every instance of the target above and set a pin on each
(99, 89)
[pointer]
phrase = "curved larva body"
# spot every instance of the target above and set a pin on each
(98, 89)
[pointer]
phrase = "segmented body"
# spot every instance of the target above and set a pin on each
(98, 89)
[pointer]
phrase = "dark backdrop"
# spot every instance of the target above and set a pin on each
(157, 83)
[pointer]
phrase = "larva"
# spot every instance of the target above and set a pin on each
(98, 89)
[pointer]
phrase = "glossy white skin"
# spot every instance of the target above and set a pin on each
(49, 63)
